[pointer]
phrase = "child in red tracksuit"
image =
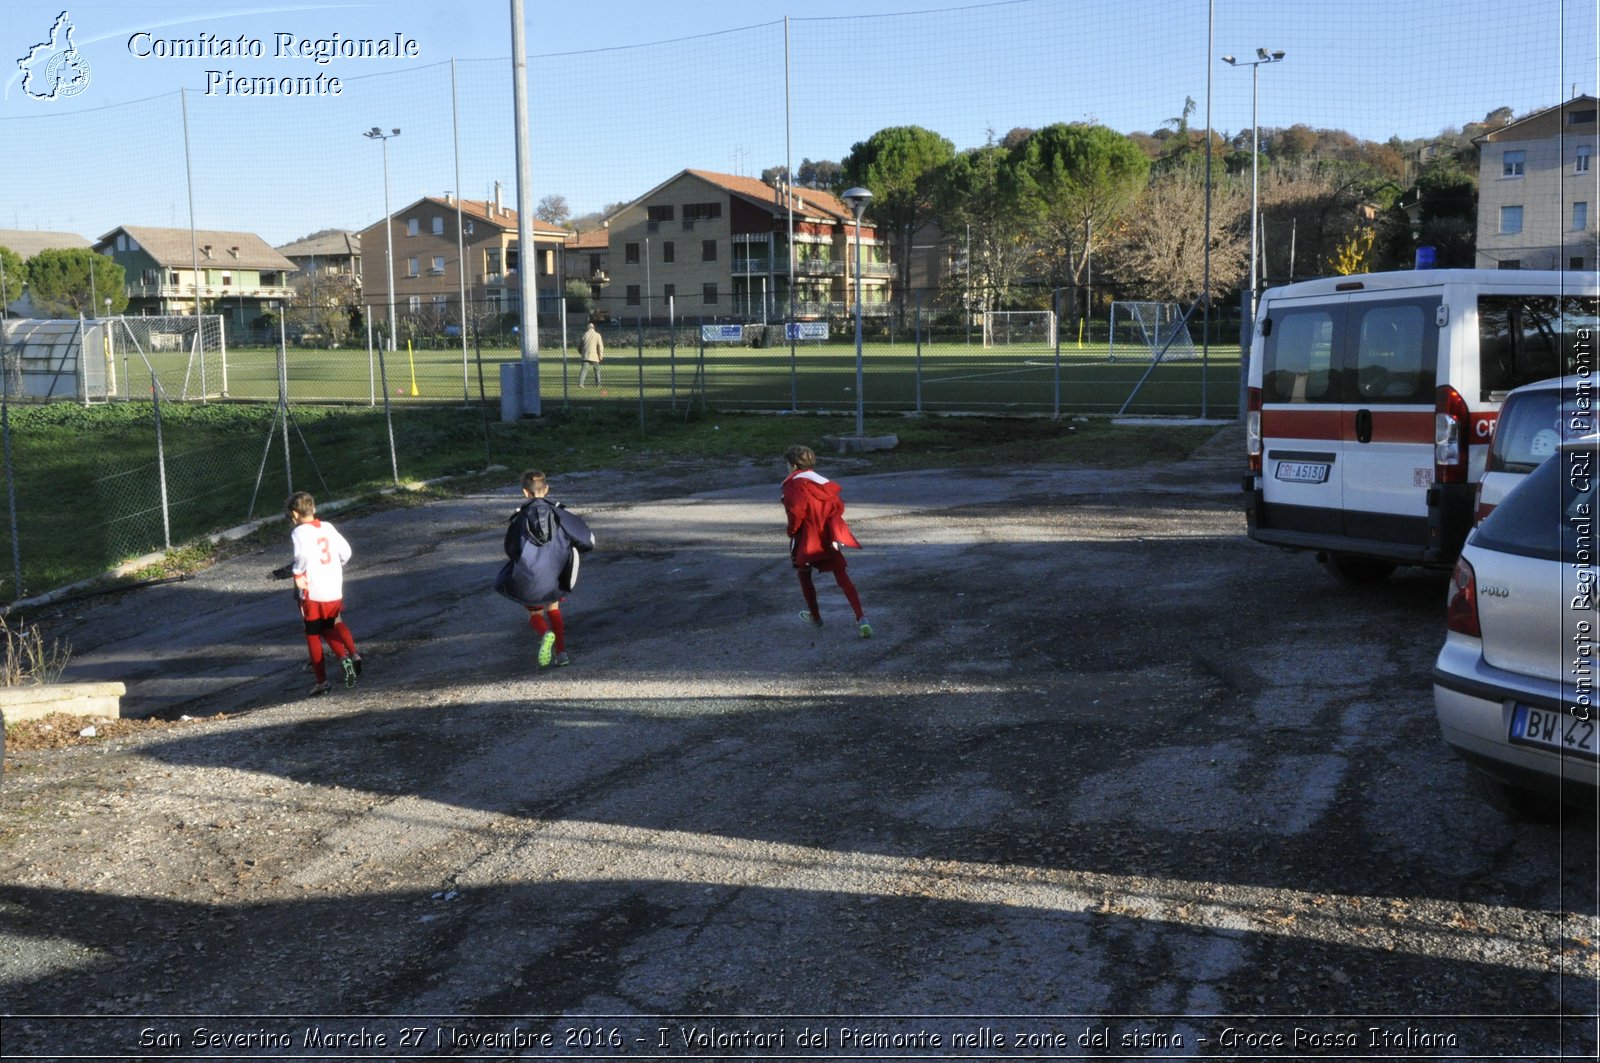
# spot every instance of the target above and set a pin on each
(816, 531)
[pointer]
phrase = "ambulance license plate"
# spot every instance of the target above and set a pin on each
(1559, 731)
(1303, 472)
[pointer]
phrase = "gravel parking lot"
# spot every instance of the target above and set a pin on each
(1111, 780)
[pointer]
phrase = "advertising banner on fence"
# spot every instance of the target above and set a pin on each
(806, 330)
(722, 333)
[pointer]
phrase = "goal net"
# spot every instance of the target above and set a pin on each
(1014, 328)
(1140, 332)
(185, 356)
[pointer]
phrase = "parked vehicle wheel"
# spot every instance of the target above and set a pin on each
(1352, 568)
(1516, 802)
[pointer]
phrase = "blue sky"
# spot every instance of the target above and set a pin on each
(624, 94)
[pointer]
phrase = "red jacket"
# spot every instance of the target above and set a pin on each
(816, 516)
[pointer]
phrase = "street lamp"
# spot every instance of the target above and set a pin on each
(1262, 57)
(388, 222)
(858, 198)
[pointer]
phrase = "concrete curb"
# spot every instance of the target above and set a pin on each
(75, 699)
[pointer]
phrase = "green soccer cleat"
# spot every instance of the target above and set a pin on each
(349, 668)
(547, 648)
(865, 628)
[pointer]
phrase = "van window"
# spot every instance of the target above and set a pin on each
(1298, 366)
(1395, 354)
(1523, 338)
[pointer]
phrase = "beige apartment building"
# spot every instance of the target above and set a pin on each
(716, 246)
(1538, 190)
(427, 268)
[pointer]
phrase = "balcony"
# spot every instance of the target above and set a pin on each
(210, 291)
(818, 267)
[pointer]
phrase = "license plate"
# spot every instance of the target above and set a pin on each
(1303, 472)
(1559, 731)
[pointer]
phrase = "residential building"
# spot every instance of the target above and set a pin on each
(1538, 190)
(427, 262)
(333, 251)
(29, 242)
(717, 247)
(234, 274)
(587, 258)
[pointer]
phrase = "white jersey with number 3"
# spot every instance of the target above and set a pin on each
(320, 554)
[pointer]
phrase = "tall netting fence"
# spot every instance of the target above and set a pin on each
(689, 196)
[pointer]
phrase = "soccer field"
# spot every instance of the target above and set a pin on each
(947, 377)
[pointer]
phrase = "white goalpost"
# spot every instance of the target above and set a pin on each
(1146, 329)
(1016, 328)
(186, 356)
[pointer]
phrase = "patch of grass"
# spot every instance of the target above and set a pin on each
(26, 658)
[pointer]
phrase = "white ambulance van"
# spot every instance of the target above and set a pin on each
(1372, 400)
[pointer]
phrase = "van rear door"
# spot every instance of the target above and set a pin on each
(1302, 437)
(1390, 354)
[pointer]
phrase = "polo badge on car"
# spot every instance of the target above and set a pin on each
(1491, 591)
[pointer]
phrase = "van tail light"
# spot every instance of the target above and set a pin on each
(1461, 612)
(1450, 420)
(1252, 428)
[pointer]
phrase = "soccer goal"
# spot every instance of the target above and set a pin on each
(1015, 328)
(1142, 331)
(187, 357)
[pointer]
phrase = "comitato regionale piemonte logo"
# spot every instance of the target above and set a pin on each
(55, 69)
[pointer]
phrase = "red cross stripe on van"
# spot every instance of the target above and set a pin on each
(1388, 426)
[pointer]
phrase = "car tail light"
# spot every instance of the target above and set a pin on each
(1450, 420)
(1461, 612)
(1252, 428)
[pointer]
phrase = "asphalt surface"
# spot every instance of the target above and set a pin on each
(1110, 780)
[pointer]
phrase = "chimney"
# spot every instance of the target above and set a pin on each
(449, 198)
(497, 207)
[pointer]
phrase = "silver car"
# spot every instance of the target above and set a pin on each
(1517, 684)
(1534, 421)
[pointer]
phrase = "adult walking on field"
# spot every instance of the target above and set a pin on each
(593, 349)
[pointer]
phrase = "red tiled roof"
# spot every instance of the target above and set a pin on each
(807, 200)
(593, 240)
(504, 217)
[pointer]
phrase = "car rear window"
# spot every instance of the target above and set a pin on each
(1533, 424)
(1550, 514)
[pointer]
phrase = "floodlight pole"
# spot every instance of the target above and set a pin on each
(1262, 57)
(388, 221)
(858, 198)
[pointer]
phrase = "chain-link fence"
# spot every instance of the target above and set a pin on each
(130, 436)
(665, 174)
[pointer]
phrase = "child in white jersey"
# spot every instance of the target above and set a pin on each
(320, 554)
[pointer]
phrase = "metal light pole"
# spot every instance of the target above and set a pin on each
(388, 221)
(1262, 57)
(858, 198)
